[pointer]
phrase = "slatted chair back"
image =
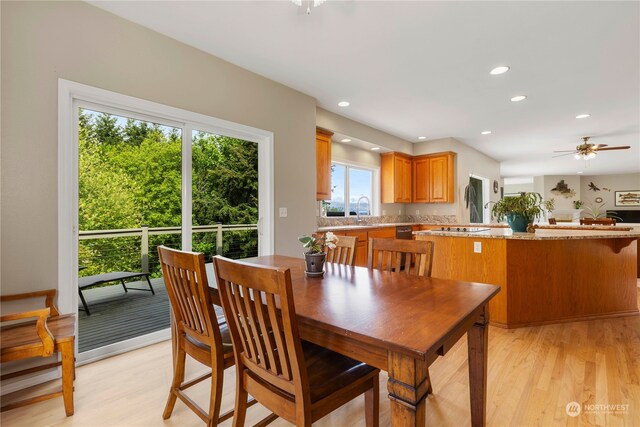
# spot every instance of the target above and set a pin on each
(188, 289)
(345, 251)
(597, 221)
(389, 254)
(258, 304)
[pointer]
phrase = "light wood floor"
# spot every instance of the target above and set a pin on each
(533, 374)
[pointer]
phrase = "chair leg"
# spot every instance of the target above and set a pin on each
(216, 394)
(241, 403)
(84, 303)
(68, 374)
(124, 285)
(178, 379)
(372, 403)
(429, 389)
(149, 282)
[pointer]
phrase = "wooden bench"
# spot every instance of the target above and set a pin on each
(115, 276)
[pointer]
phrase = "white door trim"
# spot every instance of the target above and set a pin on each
(69, 95)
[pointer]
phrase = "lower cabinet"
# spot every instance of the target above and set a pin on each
(363, 236)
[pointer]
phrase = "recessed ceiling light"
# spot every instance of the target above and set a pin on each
(583, 116)
(579, 172)
(422, 138)
(518, 98)
(499, 70)
(486, 132)
(345, 140)
(375, 148)
(343, 104)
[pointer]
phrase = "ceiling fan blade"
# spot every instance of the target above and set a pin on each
(597, 146)
(565, 154)
(564, 151)
(622, 147)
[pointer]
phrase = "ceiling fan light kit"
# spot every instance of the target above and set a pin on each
(588, 151)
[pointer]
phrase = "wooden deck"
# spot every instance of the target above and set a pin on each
(118, 316)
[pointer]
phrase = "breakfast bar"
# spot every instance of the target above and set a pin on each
(550, 276)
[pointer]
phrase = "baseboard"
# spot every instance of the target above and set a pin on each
(34, 380)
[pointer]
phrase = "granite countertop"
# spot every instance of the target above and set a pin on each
(540, 234)
(393, 224)
(363, 226)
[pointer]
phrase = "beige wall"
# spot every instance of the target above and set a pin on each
(328, 120)
(561, 202)
(518, 188)
(468, 161)
(622, 182)
(44, 41)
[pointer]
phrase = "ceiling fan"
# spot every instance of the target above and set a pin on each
(588, 151)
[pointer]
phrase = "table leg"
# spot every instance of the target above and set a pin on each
(408, 387)
(477, 342)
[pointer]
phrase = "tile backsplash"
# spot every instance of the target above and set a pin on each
(387, 219)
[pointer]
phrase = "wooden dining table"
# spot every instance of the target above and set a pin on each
(396, 322)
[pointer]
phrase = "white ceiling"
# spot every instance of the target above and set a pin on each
(422, 68)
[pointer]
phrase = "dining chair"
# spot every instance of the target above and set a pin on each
(345, 251)
(402, 256)
(296, 380)
(597, 221)
(399, 255)
(552, 221)
(49, 334)
(195, 332)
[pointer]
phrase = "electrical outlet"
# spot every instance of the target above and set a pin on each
(384, 212)
(283, 212)
(417, 211)
(477, 247)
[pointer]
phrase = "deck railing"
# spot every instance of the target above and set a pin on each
(144, 233)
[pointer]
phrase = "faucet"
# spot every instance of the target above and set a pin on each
(358, 221)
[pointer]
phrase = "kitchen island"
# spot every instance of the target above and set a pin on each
(550, 276)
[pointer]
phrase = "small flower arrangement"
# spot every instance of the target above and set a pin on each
(316, 243)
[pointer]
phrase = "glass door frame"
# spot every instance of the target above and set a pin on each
(72, 96)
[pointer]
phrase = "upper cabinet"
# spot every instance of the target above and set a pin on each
(433, 178)
(441, 178)
(395, 177)
(421, 179)
(323, 164)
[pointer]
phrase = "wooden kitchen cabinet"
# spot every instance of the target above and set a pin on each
(384, 233)
(441, 178)
(420, 166)
(433, 178)
(361, 246)
(395, 178)
(323, 164)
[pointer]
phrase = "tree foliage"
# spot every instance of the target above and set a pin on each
(131, 174)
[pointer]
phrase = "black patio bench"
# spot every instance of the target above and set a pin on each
(98, 279)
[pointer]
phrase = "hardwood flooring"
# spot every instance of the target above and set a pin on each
(533, 374)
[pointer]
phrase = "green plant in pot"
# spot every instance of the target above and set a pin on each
(519, 210)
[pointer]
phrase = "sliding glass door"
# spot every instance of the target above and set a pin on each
(145, 180)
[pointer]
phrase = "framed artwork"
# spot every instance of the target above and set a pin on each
(628, 198)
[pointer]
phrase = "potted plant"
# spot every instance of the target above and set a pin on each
(578, 204)
(315, 255)
(595, 211)
(519, 211)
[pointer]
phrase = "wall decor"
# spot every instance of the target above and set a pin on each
(598, 199)
(593, 187)
(495, 186)
(628, 198)
(562, 189)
